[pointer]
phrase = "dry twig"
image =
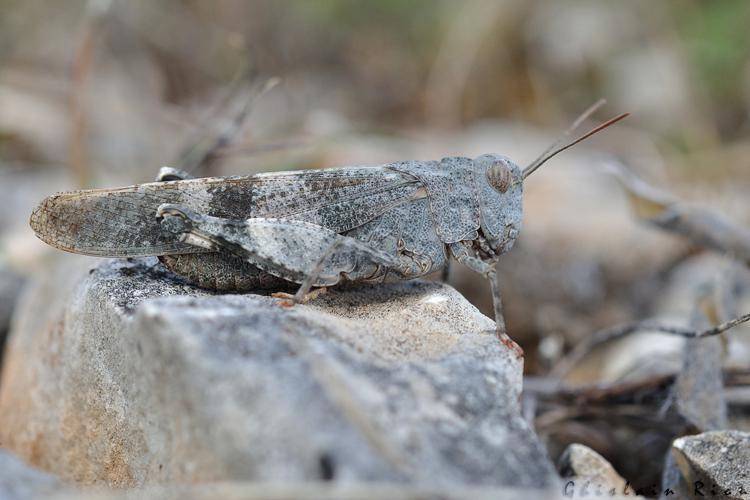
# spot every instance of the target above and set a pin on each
(566, 363)
(700, 226)
(202, 154)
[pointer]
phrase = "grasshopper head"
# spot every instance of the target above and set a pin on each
(500, 186)
(500, 189)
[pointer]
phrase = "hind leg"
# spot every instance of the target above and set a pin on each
(304, 253)
(289, 299)
(215, 270)
(304, 294)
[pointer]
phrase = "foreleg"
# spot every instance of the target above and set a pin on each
(489, 271)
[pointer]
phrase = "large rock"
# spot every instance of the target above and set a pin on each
(136, 378)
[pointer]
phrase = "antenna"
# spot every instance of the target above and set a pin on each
(578, 121)
(554, 149)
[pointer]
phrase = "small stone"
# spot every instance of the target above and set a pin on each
(715, 463)
(587, 474)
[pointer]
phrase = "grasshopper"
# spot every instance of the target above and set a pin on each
(316, 228)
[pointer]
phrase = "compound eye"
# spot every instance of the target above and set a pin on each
(499, 176)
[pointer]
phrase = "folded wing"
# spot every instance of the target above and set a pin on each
(122, 222)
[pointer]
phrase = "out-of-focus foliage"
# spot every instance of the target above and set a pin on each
(427, 61)
(717, 42)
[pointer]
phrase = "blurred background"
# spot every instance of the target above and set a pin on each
(102, 93)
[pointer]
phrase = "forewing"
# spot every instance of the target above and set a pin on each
(115, 222)
(338, 199)
(121, 222)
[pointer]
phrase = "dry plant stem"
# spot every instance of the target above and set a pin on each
(701, 227)
(204, 148)
(546, 388)
(203, 159)
(77, 156)
(199, 136)
(563, 367)
(712, 231)
(83, 65)
(457, 57)
(559, 403)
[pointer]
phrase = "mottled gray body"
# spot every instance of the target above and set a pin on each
(412, 215)
(314, 228)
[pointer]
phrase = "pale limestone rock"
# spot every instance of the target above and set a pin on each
(136, 378)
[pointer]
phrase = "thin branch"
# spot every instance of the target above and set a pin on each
(218, 108)
(700, 226)
(83, 68)
(565, 364)
(202, 155)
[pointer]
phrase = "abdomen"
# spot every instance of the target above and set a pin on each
(223, 272)
(406, 231)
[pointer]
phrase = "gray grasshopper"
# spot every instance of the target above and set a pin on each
(316, 228)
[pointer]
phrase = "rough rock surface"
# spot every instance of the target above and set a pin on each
(137, 378)
(18, 481)
(715, 463)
